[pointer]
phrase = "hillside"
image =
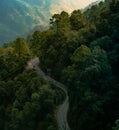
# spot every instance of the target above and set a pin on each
(18, 18)
(78, 72)
(21, 17)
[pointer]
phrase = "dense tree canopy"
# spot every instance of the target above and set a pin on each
(27, 102)
(82, 51)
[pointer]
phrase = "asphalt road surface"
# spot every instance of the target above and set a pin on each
(63, 108)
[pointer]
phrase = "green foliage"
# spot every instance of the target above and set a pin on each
(104, 42)
(60, 22)
(77, 20)
(82, 51)
(117, 125)
(80, 55)
(31, 99)
(20, 47)
(114, 6)
(1, 50)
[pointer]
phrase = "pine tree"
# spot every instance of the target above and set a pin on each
(20, 47)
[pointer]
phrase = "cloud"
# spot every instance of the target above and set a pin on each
(69, 5)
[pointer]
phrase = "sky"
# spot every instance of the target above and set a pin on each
(70, 5)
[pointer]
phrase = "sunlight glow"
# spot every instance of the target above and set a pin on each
(70, 5)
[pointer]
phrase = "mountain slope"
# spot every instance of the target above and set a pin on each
(20, 17)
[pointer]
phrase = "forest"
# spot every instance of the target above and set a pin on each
(81, 50)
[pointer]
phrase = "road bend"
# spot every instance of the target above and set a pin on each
(63, 108)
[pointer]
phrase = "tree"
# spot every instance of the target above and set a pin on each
(104, 43)
(1, 51)
(76, 20)
(114, 6)
(20, 47)
(60, 21)
(54, 21)
(81, 54)
(117, 125)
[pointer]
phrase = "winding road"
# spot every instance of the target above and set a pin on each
(63, 108)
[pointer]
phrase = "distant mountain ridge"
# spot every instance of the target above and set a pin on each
(20, 17)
